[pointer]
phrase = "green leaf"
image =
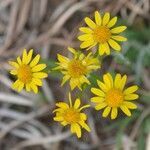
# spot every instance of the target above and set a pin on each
(141, 140)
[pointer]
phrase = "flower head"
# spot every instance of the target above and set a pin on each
(72, 115)
(77, 68)
(28, 72)
(111, 96)
(102, 33)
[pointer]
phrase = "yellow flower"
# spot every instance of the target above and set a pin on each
(77, 68)
(28, 72)
(111, 96)
(101, 33)
(72, 115)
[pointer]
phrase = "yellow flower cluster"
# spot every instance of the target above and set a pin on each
(77, 68)
(71, 114)
(110, 94)
(28, 72)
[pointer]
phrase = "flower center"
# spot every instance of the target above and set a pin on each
(101, 34)
(71, 116)
(25, 73)
(76, 68)
(114, 98)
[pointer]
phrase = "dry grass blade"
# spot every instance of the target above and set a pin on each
(148, 142)
(12, 24)
(44, 140)
(28, 117)
(23, 16)
(13, 99)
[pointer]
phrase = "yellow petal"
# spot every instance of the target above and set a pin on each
(38, 67)
(40, 75)
(114, 45)
(81, 57)
(101, 49)
(125, 110)
(29, 56)
(62, 105)
(106, 19)
(77, 129)
(130, 105)
(83, 116)
(107, 81)
(118, 38)
(130, 90)
(34, 88)
(102, 86)
(24, 57)
(13, 72)
(107, 51)
(110, 79)
(98, 18)
(112, 22)
(15, 84)
(104, 48)
(64, 123)
(87, 44)
(19, 60)
(118, 29)
(106, 111)
(123, 82)
(97, 99)
(77, 103)
(117, 81)
(90, 23)
(35, 61)
(98, 92)
(85, 126)
(28, 88)
(64, 80)
(72, 50)
(74, 83)
(62, 59)
(84, 79)
(85, 30)
(21, 86)
(100, 106)
(94, 43)
(37, 81)
(14, 64)
(84, 106)
(60, 118)
(114, 113)
(70, 101)
(85, 37)
(131, 97)
(72, 128)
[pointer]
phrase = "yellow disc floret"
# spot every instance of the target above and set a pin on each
(101, 34)
(111, 96)
(28, 72)
(114, 98)
(76, 68)
(71, 115)
(25, 73)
